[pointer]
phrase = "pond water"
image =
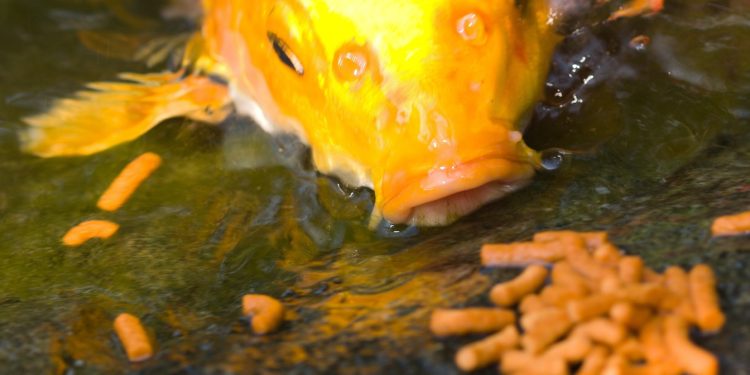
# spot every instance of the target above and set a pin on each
(656, 143)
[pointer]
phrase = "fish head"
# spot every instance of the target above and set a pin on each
(419, 100)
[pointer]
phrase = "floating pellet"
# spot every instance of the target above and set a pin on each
(594, 362)
(632, 350)
(133, 337)
(542, 333)
(125, 184)
(487, 351)
(590, 240)
(520, 254)
(691, 358)
(510, 292)
(649, 294)
(630, 269)
(81, 233)
(602, 331)
(705, 301)
(607, 254)
(586, 265)
(590, 307)
(539, 319)
(572, 349)
(266, 312)
(514, 360)
(545, 366)
(557, 295)
(564, 274)
(731, 225)
(531, 303)
(677, 282)
(471, 320)
(629, 315)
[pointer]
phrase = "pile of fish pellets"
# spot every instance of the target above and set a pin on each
(601, 312)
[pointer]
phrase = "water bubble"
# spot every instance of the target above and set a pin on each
(472, 29)
(350, 62)
(389, 230)
(640, 42)
(553, 159)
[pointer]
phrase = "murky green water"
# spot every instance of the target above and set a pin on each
(660, 144)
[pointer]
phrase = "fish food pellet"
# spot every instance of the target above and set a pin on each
(125, 184)
(88, 230)
(266, 312)
(133, 337)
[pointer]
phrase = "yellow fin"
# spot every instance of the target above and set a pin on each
(110, 113)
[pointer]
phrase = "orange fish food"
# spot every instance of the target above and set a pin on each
(87, 230)
(125, 184)
(133, 337)
(731, 225)
(267, 313)
(602, 312)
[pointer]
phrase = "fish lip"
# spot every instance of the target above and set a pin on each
(483, 179)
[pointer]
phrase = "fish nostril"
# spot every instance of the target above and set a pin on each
(350, 62)
(472, 28)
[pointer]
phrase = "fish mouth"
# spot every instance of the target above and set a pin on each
(445, 194)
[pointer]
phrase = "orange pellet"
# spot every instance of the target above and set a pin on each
(472, 320)
(557, 295)
(651, 276)
(630, 269)
(125, 184)
(542, 332)
(530, 303)
(654, 345)
(731, 225)
(677, 282)
(607, 254)
(586, 265)
(691, 358)
(590, 307)
(564, 274)
(615, 365)
(708, 314)
(484, 352)
(510, 292)
(572, 349)
(545, 366)
(591, 240)
(639, 42)
(539, 319)
(594, 362)
(87, 230)
(630, 315)
(602, 331)
(514, 360)
(610, 284)
(520, 254)
(649, 294)
(266, 312)
(133, 337)
(632, 350)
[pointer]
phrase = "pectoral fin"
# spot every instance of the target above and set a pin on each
(637, 7)
(110, 113)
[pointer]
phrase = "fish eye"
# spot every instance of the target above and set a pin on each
(285, 53)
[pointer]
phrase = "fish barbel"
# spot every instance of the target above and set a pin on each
(422, 101)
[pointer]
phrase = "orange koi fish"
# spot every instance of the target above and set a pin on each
(422, 101)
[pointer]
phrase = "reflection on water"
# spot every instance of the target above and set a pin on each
(655, 144)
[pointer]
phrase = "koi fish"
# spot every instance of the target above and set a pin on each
(422, 101)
